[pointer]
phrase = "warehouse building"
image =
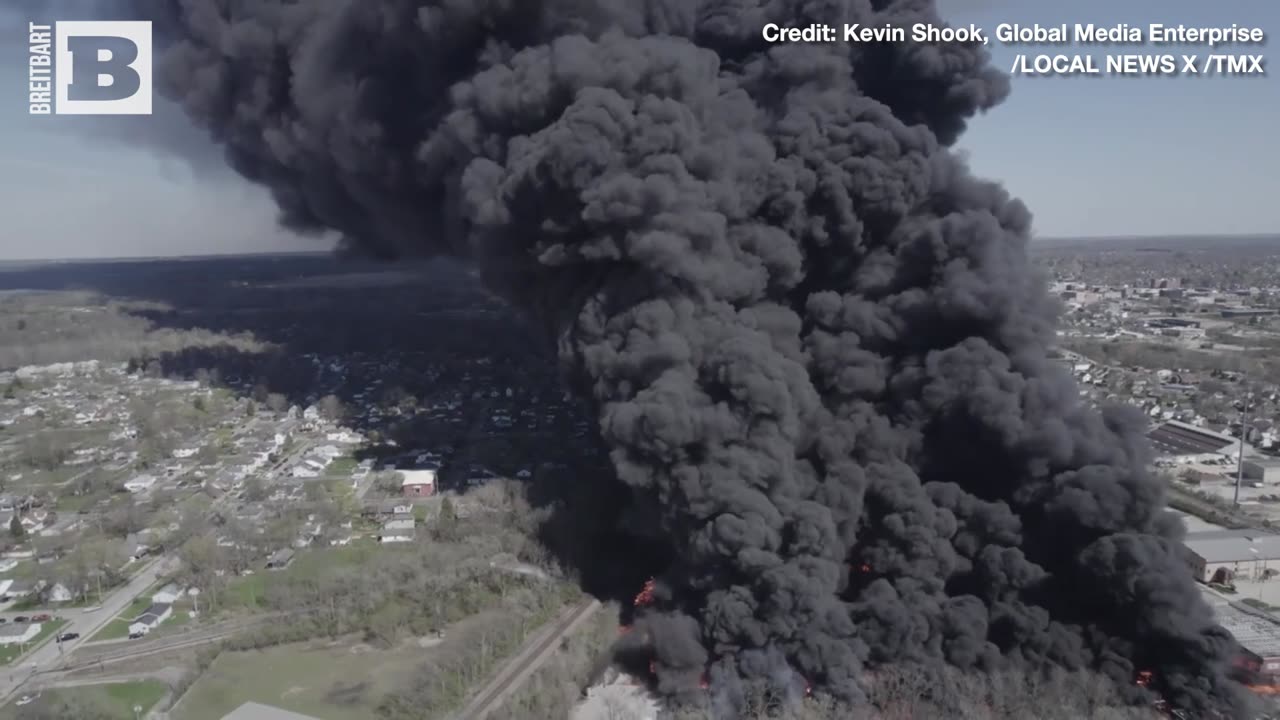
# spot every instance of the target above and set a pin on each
(1181, 439)
(1259, 639)
(1262, 469)
(1221, 556)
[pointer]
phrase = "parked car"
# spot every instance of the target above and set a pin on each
(64, 637)
(135, 636)
(27, 699)
(42, 617)
(22, 619)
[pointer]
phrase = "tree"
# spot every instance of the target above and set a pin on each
(16, 531)
(277, 402)
(255, 491)
(331, 408)
(198, 403)
(447, 521)
(204, 565)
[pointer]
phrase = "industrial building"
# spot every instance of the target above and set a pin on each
(1262, 469)
(1182, 439)
(1220, 556)
(1259, 639)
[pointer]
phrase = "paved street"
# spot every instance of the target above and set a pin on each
(80, 621)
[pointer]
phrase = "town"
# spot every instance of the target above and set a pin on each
(329, 470)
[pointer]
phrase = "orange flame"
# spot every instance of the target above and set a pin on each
(703, 682)
(1143, 679)
(866, 567)
(645, 596)
(1265, 689)
(653, 667)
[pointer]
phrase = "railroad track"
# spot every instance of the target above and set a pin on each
(100, 657)
(522, 664)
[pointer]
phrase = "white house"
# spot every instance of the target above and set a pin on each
(185, 452)
(397, 529)
(59, 594)
(168, 594)
(151, 619)
(18, 633)
(140, 483)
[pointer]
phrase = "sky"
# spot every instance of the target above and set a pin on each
(1090, 156)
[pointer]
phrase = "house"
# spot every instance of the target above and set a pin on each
(140, 483)
(59, 593)
(18, 589)
(400, 528)
(418, 483)
(280, 559)
(18, 633)
(385, 508)
(151, 619)
(168, 594)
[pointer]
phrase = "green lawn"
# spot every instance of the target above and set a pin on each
(334, 682)
(341, 466)
(117, 699)
(115, 630)
(9, 653)
(119, 627)
(248, 591)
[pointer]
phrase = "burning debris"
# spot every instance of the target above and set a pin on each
(808, 332)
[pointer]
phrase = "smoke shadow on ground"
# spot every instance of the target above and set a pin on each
(440, 354)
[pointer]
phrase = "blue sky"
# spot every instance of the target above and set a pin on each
(1090, 156)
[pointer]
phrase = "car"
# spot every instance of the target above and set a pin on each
(3, 620)
(22, 619)
(27, 699)
(135, 636)
(42, 617)
(64, 637)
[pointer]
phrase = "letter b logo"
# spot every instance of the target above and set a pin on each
(103, 68)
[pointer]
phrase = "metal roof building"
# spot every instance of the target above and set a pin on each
(1179, 438)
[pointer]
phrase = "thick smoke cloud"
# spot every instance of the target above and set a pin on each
(813, 339)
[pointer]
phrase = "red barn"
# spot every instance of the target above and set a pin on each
(418, 483)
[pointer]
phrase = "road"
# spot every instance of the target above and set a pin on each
(536, 650)
(51, 654)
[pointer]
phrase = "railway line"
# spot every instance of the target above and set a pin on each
(523, 664)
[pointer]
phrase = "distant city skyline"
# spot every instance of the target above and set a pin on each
(1091, 157)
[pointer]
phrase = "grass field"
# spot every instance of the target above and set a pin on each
(248, 591)
(119, 628)
(118, 699)
(341, 466)
(9, 653)
(331, 681)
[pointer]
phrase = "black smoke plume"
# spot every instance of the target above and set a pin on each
(813, 339)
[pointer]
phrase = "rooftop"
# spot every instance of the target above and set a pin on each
(1179, 438)
(418, 477)
(1223, 546)
(1257, 634)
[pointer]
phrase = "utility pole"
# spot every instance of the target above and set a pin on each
(1244, 433)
